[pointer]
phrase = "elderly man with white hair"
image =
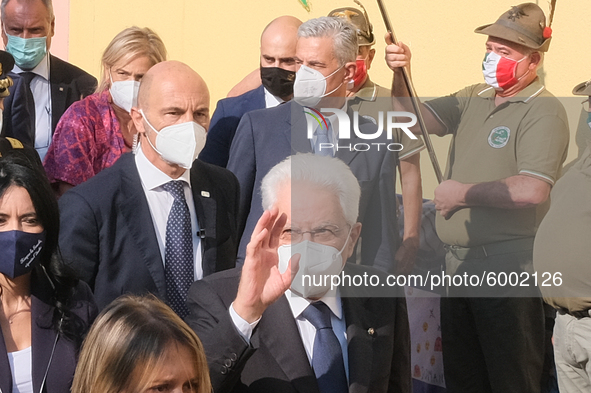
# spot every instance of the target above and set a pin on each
(274, 325)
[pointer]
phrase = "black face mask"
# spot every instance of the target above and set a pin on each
(20, 252)
(278, 81)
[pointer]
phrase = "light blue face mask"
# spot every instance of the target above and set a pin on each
(27, 52)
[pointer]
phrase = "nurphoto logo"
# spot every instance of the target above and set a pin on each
(392, 120)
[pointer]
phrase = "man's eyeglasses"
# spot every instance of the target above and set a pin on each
(323, 234)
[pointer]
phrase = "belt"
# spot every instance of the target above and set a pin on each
(488, 250)
(576, 314)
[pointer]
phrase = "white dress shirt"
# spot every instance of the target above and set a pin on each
(41, 89)
(21, 368)
(307, 331)
(160, 203)
(271, 101)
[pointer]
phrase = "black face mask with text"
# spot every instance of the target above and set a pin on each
(278, 81)
(20, 252)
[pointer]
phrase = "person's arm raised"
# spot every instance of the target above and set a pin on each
(261, 283)
(397, 58)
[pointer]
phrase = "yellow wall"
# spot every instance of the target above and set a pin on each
(220, 39)
(59, 43)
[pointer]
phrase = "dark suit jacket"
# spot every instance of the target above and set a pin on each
(61, 370)
(266, 137)
(224, 123)
(275, 360)
(68, 84)
(107, 232)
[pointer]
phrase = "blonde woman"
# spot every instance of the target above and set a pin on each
(139, 345)
(96, 131)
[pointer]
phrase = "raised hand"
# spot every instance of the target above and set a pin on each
(261, 283)
(397, 56)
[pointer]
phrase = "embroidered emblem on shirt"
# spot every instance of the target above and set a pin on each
(499, 137)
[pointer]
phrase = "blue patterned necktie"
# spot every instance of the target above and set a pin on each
(327, 356)
(179, 266)
(322, 137)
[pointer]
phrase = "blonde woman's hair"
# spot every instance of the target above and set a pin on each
(129, 44)
(128, 341)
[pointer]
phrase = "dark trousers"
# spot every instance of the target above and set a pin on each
(492, 344)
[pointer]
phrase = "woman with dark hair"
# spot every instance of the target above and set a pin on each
(139, 345)
(44, 310)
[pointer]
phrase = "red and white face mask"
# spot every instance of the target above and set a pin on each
(499, 72)
(361, 72)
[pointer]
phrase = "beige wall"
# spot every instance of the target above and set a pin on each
(61, 40)
(220, 38)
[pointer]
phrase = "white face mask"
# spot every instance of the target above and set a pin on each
(310, 86)
(179, 143)
(315, 260)
(124, 93)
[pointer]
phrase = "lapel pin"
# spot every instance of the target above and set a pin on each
(61, 89)
(371, 332)
(205, 194)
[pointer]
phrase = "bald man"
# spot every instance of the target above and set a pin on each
(158, 219)
(277, 72)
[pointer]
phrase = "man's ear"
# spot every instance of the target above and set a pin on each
(3, 34)
(536, 57)
(52, 28)
(370, 56)
(353, 237)
(350, 69)
(138, 120)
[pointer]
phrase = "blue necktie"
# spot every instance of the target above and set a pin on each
(179, 265)
(30, 99)
(322, 137)
(327, 357)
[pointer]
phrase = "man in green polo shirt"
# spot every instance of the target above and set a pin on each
(368, 99)
(561, 255)
(509, 142)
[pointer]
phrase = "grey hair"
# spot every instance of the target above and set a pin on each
(343, 34)
(47, 3)
(327, 172)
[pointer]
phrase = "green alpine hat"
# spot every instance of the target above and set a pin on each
(582, 89)
(358, 19)
(524, 24)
